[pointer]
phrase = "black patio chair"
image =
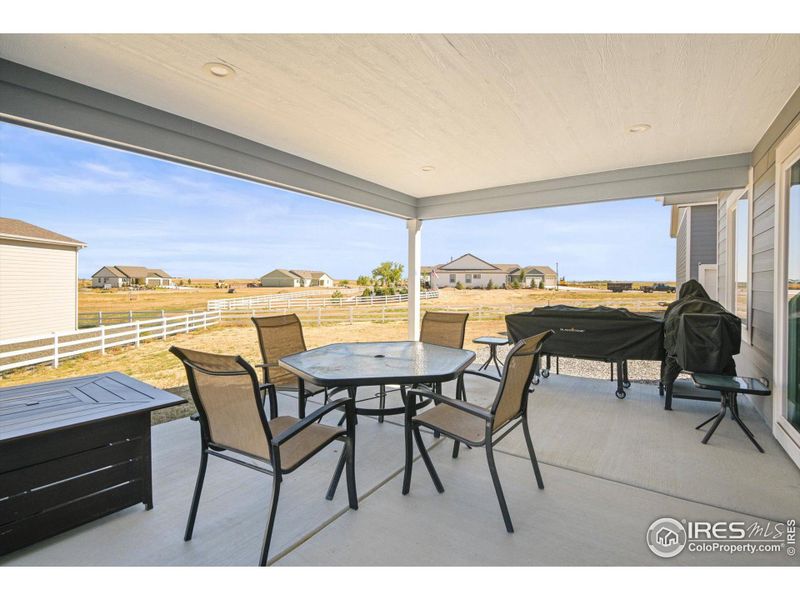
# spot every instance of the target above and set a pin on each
(280, 336)
(476, 426)
(234, 425)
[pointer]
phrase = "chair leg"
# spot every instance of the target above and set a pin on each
(198, 488)
(352, 495)
(456, 446)
(381, 401)
(409, 450)
(427, 460)
(497, 487)
(273, 509)
(534, 462)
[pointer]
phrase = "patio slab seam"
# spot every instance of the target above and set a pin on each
(638, 487)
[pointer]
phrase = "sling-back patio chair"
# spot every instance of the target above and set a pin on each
(476, 426)
(281, 336)
(234, 426)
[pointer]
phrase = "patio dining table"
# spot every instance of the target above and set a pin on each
(348, 366)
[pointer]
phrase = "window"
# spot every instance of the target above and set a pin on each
(468, 278)
(739, 268)
(452, 277)
(476, 276)
(793, 296)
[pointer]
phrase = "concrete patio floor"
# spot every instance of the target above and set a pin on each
(611, 467)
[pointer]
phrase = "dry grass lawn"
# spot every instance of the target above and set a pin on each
(153, 363)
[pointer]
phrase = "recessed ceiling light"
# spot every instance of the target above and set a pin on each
(219, 69)
(638, 128)
(428, 168)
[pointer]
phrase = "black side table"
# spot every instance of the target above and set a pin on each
(493, 342)
(729, 387)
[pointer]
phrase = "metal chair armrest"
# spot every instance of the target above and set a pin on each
(481, 374)
(311, 419)
(475, 411)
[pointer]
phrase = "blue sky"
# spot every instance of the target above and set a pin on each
(133, 209)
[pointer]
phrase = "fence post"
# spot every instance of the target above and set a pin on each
(130, 316)
(351, 315)
(138, 333)
(99, 317)
(319, 315)
(102, 339)
(163, 326)
(205, 320)
(55, 350)
(383, 314)
(187, 323)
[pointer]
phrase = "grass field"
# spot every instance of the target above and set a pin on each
(93, 299)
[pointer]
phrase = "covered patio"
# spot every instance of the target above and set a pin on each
(406, 131)
(611, 467)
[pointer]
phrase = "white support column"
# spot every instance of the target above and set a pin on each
(414, 250)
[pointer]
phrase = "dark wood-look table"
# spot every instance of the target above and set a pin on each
(353, 365)
(73, 450)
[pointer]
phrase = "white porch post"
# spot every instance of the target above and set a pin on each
(414, 237)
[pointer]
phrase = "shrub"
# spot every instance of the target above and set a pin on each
(459, 285)
(337, 294)
(344, 282)
(490, 285)
(515, 284)
(363, 280)
(541, 284)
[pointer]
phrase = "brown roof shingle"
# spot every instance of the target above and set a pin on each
(16, 229)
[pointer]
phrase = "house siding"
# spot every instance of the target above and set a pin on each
(40, 284)
(681, 249)
(756, 357)
(703, 246)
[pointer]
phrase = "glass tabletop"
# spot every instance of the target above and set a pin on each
(490, 339)
(731, 383)
(374, 363)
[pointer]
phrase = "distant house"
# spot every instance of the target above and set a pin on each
(117, 276)
(538, 273)
(473, 272)
(296, 278)
(38, 279)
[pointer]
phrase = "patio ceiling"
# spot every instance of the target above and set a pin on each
(507, 121)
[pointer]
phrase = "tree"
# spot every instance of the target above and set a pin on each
(522, 275)
(541, 284)
(387, 274)
(515, 284)
(363, 280)
(344, 282)
(490, 285)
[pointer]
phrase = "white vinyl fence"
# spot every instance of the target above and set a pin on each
(226, 303)
(26, 351)
(282, 302)
(378, 313)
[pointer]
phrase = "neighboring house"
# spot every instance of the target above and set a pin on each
(471, 272)
(38, 279)
(296, 278)
(474, 272)
(533, 275)
(693, 225)
(122, 276)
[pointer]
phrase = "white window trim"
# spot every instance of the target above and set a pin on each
(787, 153)
(728, 296)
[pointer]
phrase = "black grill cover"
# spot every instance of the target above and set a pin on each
(602, 333)
(699, 334)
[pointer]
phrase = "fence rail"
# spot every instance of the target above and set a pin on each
(106, 317)
(281, 302)
(27, 351)
(226, 303)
